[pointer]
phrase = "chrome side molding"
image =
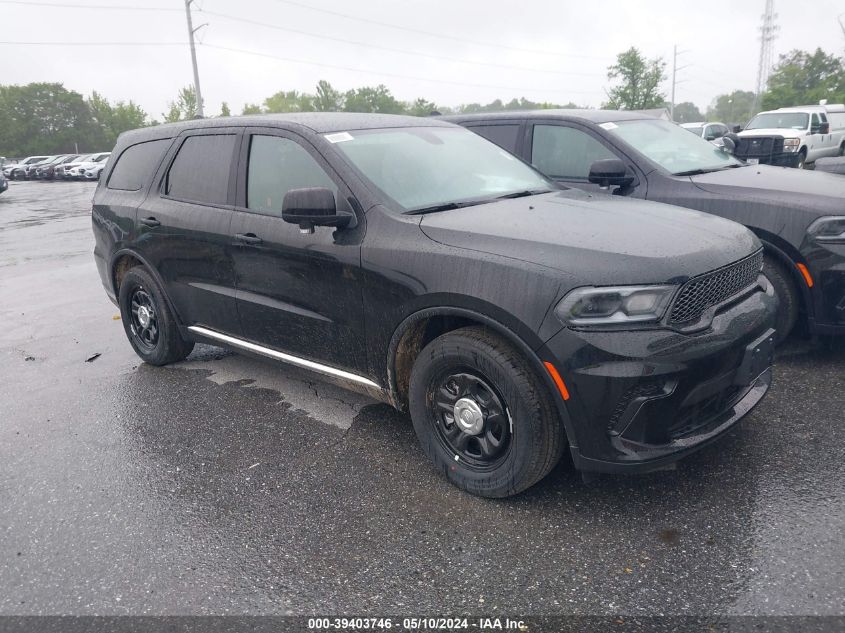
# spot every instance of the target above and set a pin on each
(286, 358)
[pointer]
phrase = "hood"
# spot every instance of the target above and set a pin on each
(596, 239)
(785, 132)
(818, 192)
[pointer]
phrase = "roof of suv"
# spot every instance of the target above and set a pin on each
(591, 116)
(319, 122)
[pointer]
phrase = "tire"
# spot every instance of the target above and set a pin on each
(518, 413)
(802, 159)
(787, 295)
(842, 149)
(155, 336)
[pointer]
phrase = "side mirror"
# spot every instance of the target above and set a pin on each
(824, 128)
(610, 172)
(730, 141)
(736, 129)
(314, 207)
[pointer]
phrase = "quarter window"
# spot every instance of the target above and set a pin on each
(136, 165)
(565, 152)
(200, 172)
(277, 165)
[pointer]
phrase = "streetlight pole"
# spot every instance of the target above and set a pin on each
(191, 32)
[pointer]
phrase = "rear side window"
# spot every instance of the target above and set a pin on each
(136, 165)
(502, 135)
(200, 171)
(277, 165)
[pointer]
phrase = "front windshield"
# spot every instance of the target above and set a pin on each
(424, 167)
(780, 120)
(671, 147)
(695, 129)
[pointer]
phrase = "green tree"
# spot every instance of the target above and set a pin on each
(327, 98)
(184, 108)
(368, 99)
(639, 87)
(46, 118)
(224, 109)
(736, 107)
(251, 108)
(115, 119)
(687, 112)
(803, 78)
(421, 107)
(289, 101)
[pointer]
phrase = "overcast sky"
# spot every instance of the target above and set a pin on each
(486, 49)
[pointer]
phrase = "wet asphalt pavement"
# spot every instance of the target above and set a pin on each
(227, 485)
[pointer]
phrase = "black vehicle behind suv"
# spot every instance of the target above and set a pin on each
(422, 264)
(799, 216)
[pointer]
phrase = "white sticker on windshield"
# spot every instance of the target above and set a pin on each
(338, 137)
(608, 126)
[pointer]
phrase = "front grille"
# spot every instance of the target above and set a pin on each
(763, 148)
(703, 292)
(695, 416)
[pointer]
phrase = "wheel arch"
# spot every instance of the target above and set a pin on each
(424, 325)
(123, 261)
(789, 256)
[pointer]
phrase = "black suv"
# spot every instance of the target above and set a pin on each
(424, 265)
(799, 216)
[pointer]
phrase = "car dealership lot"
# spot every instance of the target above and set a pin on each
(229, 485)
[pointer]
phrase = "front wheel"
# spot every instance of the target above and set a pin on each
(787, 294)
(148, 321)
(802, 159)
(482, 414)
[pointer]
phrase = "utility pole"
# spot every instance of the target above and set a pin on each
(675, 69)
(191, 32)
(767, 36)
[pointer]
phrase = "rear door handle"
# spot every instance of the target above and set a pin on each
(248, 238)
(150, 222)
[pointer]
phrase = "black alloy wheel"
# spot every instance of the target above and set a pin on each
(144, 322)
(471, 419)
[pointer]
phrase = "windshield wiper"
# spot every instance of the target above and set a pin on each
(446, 206)
(523, 194)
(698, 172)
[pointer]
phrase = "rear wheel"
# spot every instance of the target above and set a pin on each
(148, 321)
(787, 294)
(482, 414)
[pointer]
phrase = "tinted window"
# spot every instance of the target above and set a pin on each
(502, 135)
(277, 165)
(200, 172)
(136, 165)
(564, 152)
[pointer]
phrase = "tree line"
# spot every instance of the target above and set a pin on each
(47, 118)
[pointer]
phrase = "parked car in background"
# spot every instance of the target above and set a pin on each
(4, 184)
(796, 136)
(10, 170)
(76, 171)
(709, 131)
(27, 172)
(422, 264)
(799, 216)
(49, 171)
(93, 172)
(40, 171)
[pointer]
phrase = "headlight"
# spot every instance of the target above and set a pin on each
(608, 306)
(791, 144)
(828, 230)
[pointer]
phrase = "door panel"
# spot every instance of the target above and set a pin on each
(188, 241)
(297, 292)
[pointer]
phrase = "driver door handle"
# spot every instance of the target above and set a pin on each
(150, 222)
(248, 238)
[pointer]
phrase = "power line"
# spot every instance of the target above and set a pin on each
(389, 49)
(456, 38)
(92, 43)
(387, 74)
(99, 7)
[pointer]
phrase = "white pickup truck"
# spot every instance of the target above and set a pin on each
(809, 132)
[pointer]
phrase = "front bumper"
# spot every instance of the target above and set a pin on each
(643, 398)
